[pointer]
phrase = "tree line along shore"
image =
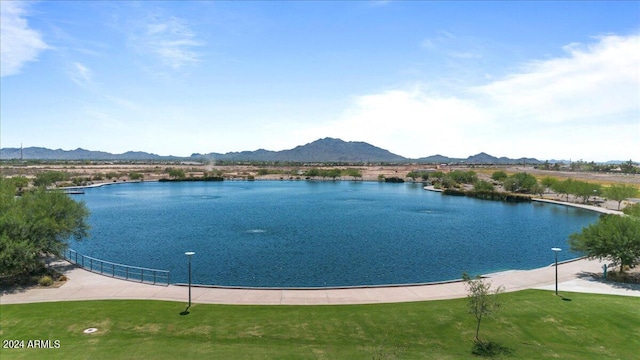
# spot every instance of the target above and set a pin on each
(488, 182)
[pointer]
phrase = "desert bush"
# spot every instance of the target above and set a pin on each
(45, 281)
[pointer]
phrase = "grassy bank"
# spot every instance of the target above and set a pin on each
(532, 324)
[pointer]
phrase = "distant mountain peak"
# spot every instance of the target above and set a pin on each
(327, 149)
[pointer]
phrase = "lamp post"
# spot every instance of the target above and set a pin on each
(189, 254)
(556, 250)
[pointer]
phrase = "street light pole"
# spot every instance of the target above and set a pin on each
(556, 250)
(189, 254)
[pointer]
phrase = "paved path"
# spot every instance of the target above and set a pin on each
(599, 209)
(84, 285)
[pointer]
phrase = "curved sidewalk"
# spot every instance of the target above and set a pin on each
(573, 276)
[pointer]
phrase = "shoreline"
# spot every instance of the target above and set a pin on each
(83, 285)
(557, 202)
(102, 184)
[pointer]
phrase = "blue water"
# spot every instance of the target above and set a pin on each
(314, 234)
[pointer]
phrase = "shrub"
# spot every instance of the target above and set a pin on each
(499, 176)
(482, 185)
(136, 176)
(45, 281)
(394, 179)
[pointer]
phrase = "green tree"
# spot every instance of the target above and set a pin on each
(563, 187)
(354, 173)
(35, 224)
(50, 177)
(483, 185)
(548, 182)
(448, 182)
(333, 173)
(538, 189)
(613, 237)
(313, 172)
(136, 176)
(520, 182)
(584, 190)
(19, 182)
(628, 167)
(463, 177)
(177, 173)
(620, 193)
(323, 173)
(499, 176)
(436, 176)
(482, 300)
(413, 175)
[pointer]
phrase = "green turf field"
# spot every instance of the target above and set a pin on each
(532, 324)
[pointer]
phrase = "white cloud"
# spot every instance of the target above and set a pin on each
(81, 75)
(584, 105)
(20, 44)
(170, 39)
(411, 122)
(597, 82)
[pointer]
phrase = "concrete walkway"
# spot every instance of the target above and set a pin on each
(573, 276)
(599, 209)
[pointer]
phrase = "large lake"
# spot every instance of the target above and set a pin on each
(316, 234)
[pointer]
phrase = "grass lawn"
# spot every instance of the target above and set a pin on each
(532, 324)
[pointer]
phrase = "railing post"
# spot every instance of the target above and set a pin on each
(126, 272)
(141, 275)
(113, 270)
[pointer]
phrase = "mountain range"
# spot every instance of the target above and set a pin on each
(319, 151)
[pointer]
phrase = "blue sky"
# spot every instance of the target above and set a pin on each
(551, 80)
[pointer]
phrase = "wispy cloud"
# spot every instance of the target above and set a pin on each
(81, 75)
(20, 43)
(170, 39)
(441, 37)
(583, 105)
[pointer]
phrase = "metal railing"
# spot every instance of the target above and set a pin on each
(120, 271)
